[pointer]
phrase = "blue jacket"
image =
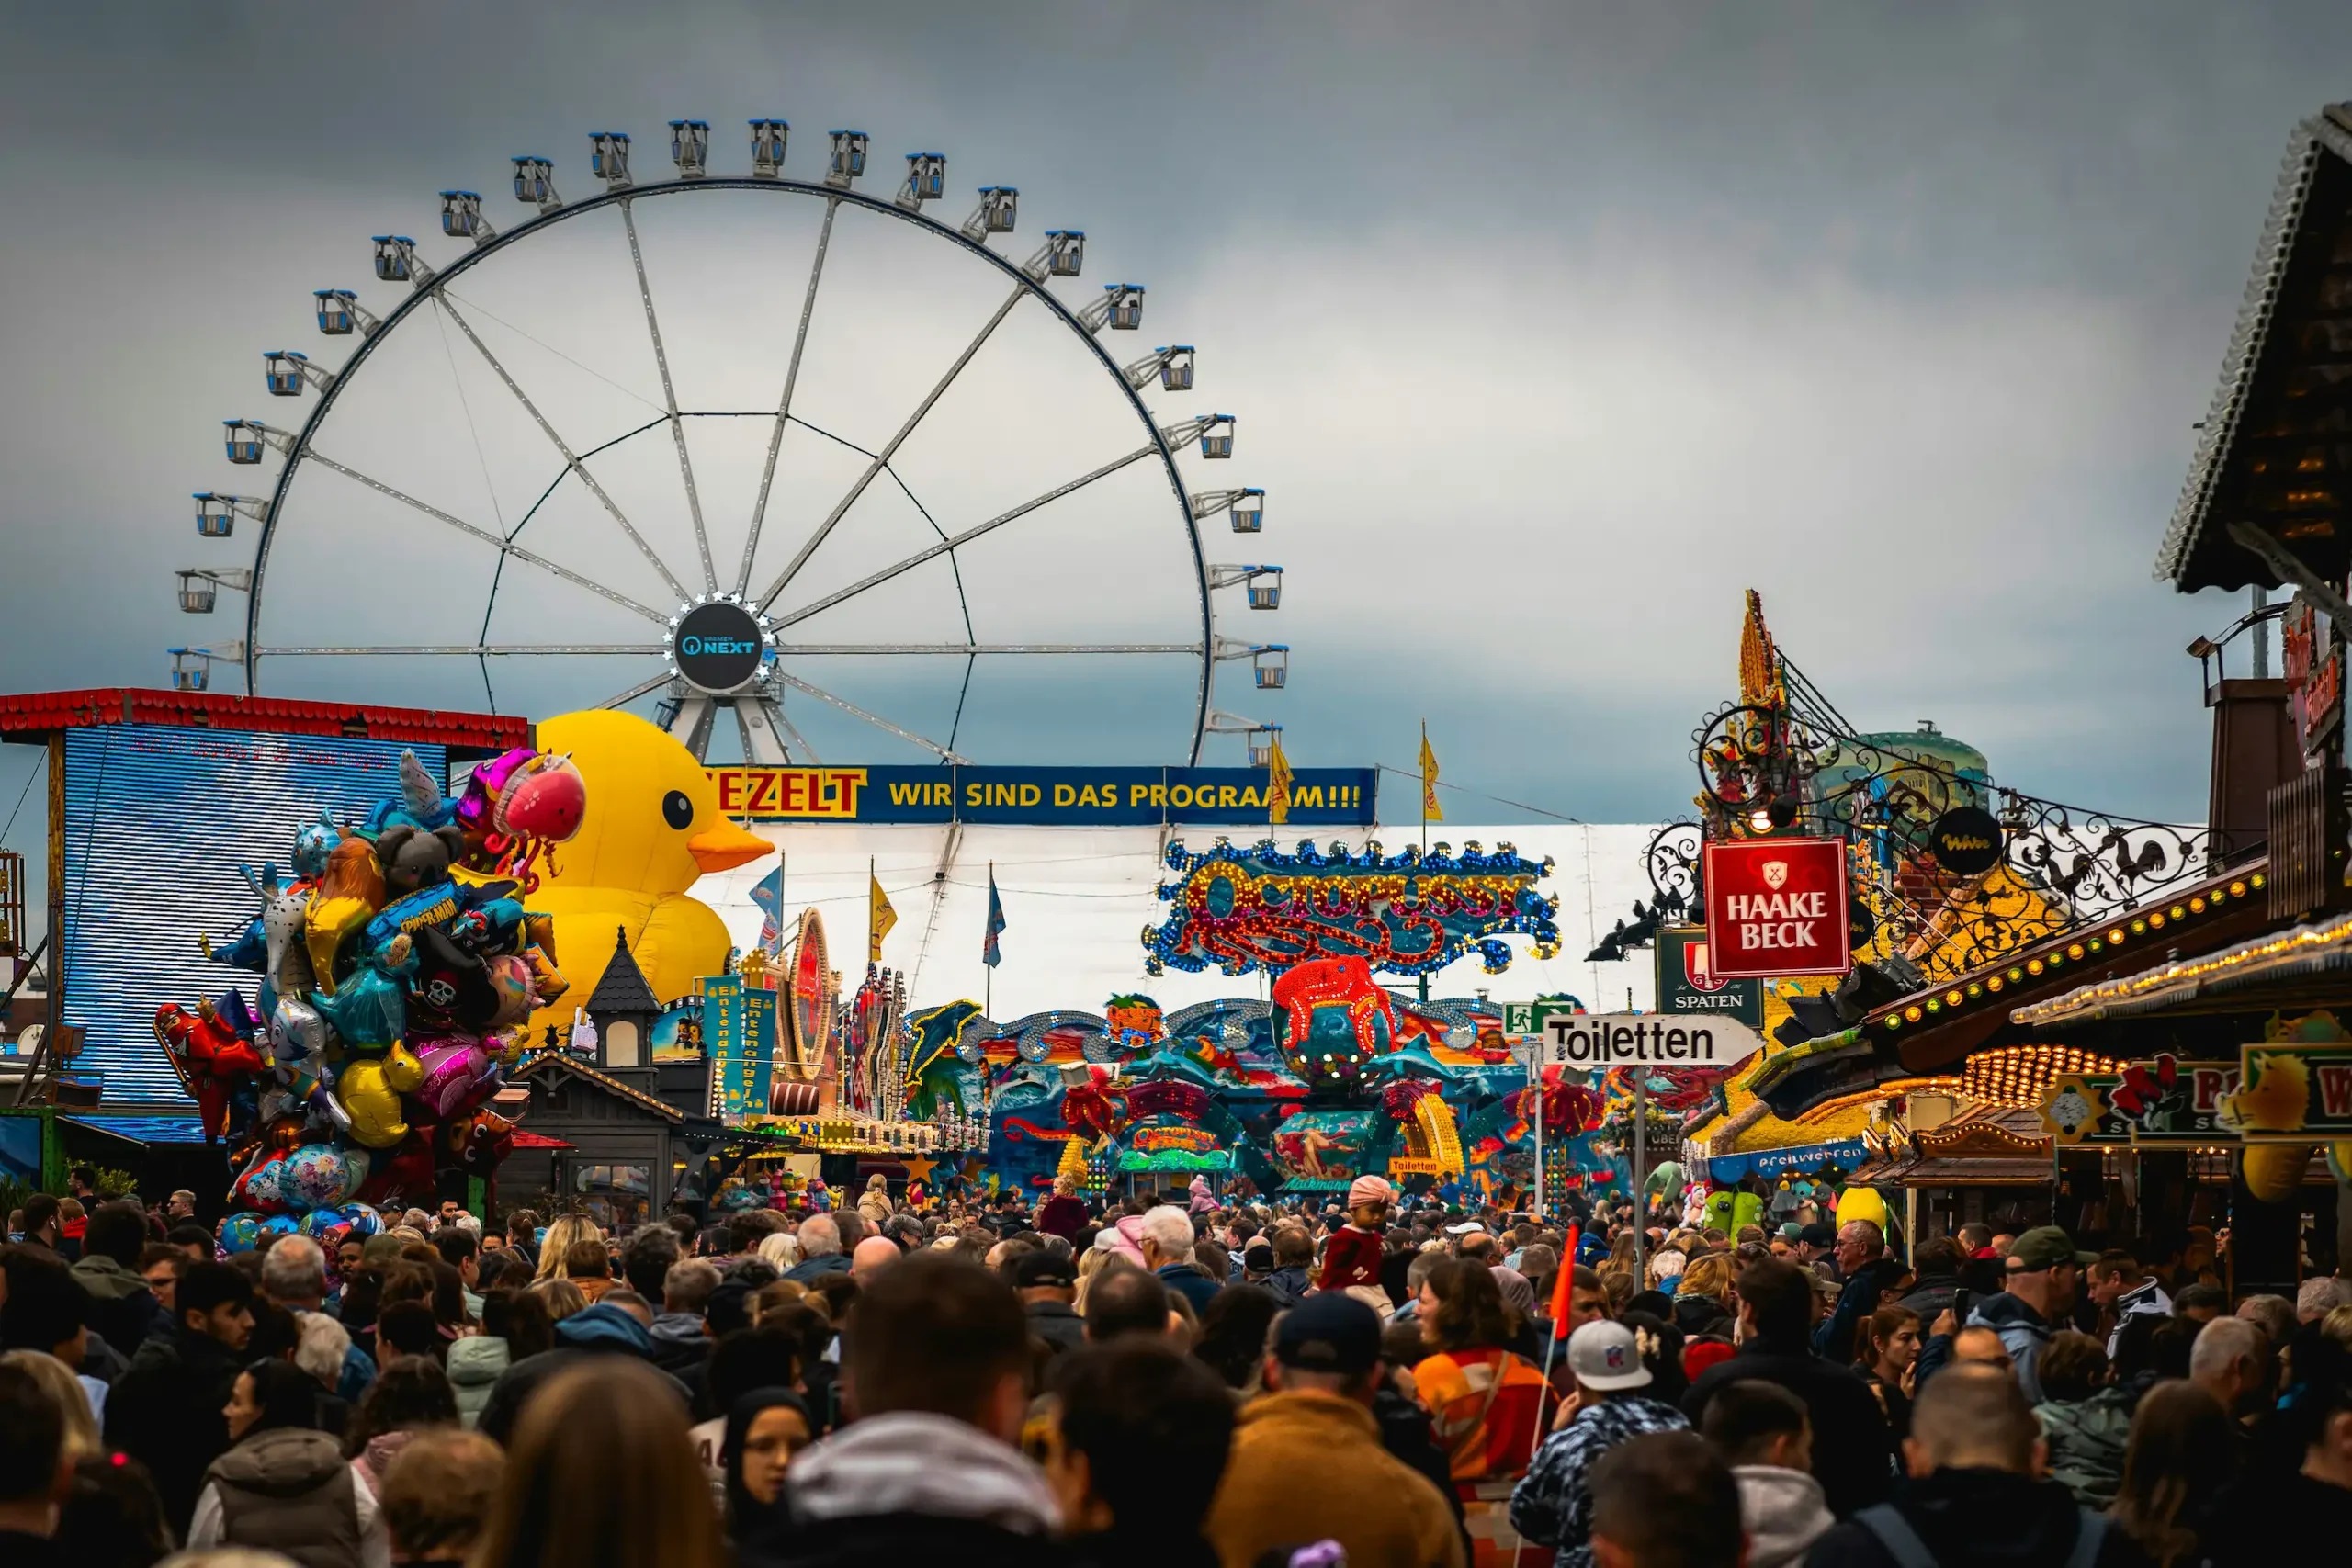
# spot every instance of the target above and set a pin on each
(1190, 1284)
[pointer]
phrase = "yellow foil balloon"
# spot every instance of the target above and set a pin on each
(2273, 1171)
(373, 1104)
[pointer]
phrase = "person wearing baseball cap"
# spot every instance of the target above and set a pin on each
(1048, 1287)
(1308, 1462)
(1552, 1504)
(2044, 1271)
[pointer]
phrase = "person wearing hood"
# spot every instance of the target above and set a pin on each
(123, 1309)
(412, 1395)
(617, 1326)
(766, 1428)
(936, 1373)
(1199, 1199)
(284, 1486)
(514, 1324)
(1973, 1500)
(1762, 1430)
(680, 1335)
(2044, 1271)
(1852, 1454)
(2085, 1422)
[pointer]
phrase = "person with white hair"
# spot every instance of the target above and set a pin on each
(781, 1248)
(2230, 1360)
(820, 1250)
(1167, 1244)
(294, 1276)
(2321, 1294)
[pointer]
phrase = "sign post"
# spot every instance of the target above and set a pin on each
(1635, 1040)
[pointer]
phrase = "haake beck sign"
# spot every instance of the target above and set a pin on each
(1777, 907)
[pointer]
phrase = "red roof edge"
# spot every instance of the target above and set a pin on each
(39, 712)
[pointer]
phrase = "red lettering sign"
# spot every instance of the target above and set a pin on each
(2336, 1091)
(1777, 907)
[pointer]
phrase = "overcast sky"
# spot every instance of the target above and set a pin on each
(1550, 330)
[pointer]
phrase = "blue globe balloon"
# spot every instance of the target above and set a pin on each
(240, 1232)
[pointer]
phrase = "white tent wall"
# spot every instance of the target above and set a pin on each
(1078, 899)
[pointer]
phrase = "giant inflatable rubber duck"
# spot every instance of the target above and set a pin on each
(653, 827)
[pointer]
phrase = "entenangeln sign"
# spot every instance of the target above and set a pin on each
(1777, 907)
(1079, 796)
(1630, 1039)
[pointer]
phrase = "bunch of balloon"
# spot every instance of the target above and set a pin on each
(398, 967)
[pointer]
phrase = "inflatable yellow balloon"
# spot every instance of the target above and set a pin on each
(652, 827)
(1863, 1203)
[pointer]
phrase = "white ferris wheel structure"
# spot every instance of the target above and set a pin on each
(716, 616)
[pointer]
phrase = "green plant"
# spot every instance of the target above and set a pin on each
(113, 1184)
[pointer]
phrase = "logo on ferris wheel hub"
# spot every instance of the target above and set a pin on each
(718, 646)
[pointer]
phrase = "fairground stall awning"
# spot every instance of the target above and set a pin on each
(2310, 965)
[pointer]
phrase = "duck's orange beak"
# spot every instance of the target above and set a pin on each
(725, 847)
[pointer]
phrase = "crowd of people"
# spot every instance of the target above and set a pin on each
(1360, 1378)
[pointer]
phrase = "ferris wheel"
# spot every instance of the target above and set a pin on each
(705, 551)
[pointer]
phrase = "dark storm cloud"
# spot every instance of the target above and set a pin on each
(1552, 328)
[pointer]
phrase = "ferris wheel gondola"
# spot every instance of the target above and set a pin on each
(728, 632)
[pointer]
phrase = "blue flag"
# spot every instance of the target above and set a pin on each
(990, 955)
(769, 895)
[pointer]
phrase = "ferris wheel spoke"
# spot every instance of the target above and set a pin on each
(505, 547)
(469, 650)
(777, 717)
(783, 403)
(932, 552)
(875, 719)
(966, 649)
(622, 699)
(670, 399)
(571, 459)
(882, 458)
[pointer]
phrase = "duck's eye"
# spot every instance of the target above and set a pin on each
(677, 810)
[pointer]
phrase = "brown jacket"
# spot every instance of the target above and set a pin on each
(1309, 1467)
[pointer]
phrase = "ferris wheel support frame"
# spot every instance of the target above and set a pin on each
(428, 283)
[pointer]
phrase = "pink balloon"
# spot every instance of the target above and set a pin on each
(455, 1068)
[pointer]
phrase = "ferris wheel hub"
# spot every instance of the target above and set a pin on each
(718, 646)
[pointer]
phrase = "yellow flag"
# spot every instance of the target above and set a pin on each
(1277, 781)
(1431, 811)
(880, 917)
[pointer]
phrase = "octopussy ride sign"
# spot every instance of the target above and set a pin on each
(1777, 907)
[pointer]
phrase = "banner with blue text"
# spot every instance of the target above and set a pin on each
(1078, 796)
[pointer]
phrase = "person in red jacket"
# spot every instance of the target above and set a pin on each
(1352, 1256)
(1065, 1212)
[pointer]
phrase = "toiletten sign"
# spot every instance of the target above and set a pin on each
(1777, 907)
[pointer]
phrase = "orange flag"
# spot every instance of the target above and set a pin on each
(1565, 1280)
